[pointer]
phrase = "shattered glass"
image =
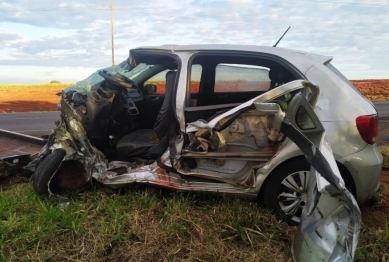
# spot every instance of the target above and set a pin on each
(123, 68)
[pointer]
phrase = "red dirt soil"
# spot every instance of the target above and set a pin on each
(43, 98)
(28, 99)
(374, 90)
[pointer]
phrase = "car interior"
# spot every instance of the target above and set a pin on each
(218, 83)
(220, 91)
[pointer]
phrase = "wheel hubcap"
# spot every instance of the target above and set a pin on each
(293, 194)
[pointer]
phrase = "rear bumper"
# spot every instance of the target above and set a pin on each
(365, 167)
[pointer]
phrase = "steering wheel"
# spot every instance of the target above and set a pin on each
(118, 80)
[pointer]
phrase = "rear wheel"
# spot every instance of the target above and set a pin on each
(45, 171)
(285, 190)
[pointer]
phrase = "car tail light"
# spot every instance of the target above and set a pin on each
(368, 128)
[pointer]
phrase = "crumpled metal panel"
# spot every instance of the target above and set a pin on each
(65, 135)
(155, 175)
(331, 220)
(270, 95)
(249, 131)
(331, 232)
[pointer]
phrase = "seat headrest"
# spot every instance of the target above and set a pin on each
(171, 74)
(277, 75)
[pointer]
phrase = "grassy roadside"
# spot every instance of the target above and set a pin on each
(138, 224)
(151, 224)
(384, 149)
(373, 242)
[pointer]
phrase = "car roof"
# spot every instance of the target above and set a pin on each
(288, 54)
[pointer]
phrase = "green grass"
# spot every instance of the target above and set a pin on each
(374, 239)
(6, 86)
(150, 224)
(138, 224)
(384, 149)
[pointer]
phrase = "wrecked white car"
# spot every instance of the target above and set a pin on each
(198, 131)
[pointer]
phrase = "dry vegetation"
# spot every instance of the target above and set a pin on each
(374, 90)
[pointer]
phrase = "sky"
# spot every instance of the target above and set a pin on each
(68, 40)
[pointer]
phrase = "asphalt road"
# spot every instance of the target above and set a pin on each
(38, 123)
(383, 109)
(31, 123)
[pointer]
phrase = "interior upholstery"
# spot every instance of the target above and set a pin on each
(139, 142)
(162, 123)
(278, 76)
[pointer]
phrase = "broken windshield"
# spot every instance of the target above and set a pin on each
(94, 79)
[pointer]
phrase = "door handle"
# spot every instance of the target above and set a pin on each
(154, 98)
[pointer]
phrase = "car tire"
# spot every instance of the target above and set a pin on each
(45, 170)
(285, 190)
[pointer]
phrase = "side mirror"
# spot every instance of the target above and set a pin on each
(151, 89)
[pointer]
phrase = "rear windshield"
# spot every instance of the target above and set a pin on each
(338, 73)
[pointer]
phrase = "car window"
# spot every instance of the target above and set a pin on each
(195, 77)
(159, 80)
(303, 120)
(241, 78)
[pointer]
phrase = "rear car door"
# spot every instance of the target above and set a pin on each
(331, 220)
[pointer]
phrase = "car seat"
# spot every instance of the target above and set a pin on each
(150, 142)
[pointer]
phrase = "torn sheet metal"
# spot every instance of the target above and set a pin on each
(270, 95)
(155, 175)
(247, 135)
(70, 136)
(330, 224)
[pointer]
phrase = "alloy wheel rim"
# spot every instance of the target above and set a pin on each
(293, 194)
